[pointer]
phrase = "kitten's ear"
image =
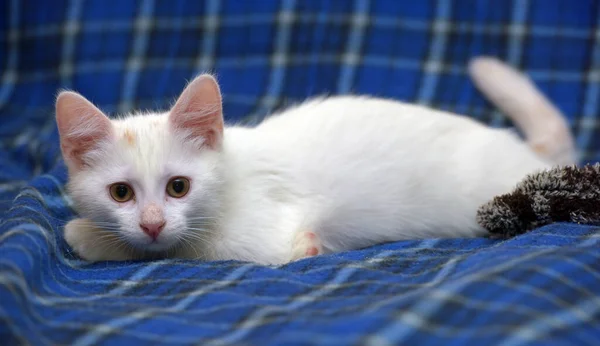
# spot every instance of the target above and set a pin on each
(199, 113)
(81, 127)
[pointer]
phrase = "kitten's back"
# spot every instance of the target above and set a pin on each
(398, 170)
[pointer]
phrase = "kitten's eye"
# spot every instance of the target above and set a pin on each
(178, 187)
(121, 192)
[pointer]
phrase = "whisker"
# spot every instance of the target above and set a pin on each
(201, 239)
(106, 230)
(196, 236)
(176, 247)
(200, 231)
(200, 226)
(190, 245)
(99, 223)
(110, 243)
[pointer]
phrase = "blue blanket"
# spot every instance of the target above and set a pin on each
(539, 288)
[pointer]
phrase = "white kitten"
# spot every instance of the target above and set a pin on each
(328, 175)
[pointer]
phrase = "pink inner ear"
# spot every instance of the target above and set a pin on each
(81, 127)
(199, 111)
(74, 148)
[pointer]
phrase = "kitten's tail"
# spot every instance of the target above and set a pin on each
(543, 125)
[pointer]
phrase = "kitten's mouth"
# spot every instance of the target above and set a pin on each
(155, 246)
(164, 244)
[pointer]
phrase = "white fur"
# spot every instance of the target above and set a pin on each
(156, 156)
(356, 171)
(543, 124)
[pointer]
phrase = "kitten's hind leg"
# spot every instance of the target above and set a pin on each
(94, 244)
(305, 244)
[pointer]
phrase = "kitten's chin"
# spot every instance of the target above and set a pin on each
(162, 246)
(158, 247)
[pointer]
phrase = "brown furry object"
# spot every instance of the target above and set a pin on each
(564, 194)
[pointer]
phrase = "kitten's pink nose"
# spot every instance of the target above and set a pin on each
(152, 229)
(153, 221)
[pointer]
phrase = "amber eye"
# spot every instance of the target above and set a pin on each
(121, 192)
(178, 187)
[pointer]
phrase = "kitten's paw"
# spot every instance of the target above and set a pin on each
(93, 244)
(77, 234)
(305, 244)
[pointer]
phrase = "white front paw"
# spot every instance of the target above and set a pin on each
(93, 244)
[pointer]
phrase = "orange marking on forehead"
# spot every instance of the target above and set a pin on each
(540, 148)
(129, 137)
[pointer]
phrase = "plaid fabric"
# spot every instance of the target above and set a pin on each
(539, 288)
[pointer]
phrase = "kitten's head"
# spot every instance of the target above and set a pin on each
(151, 178)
